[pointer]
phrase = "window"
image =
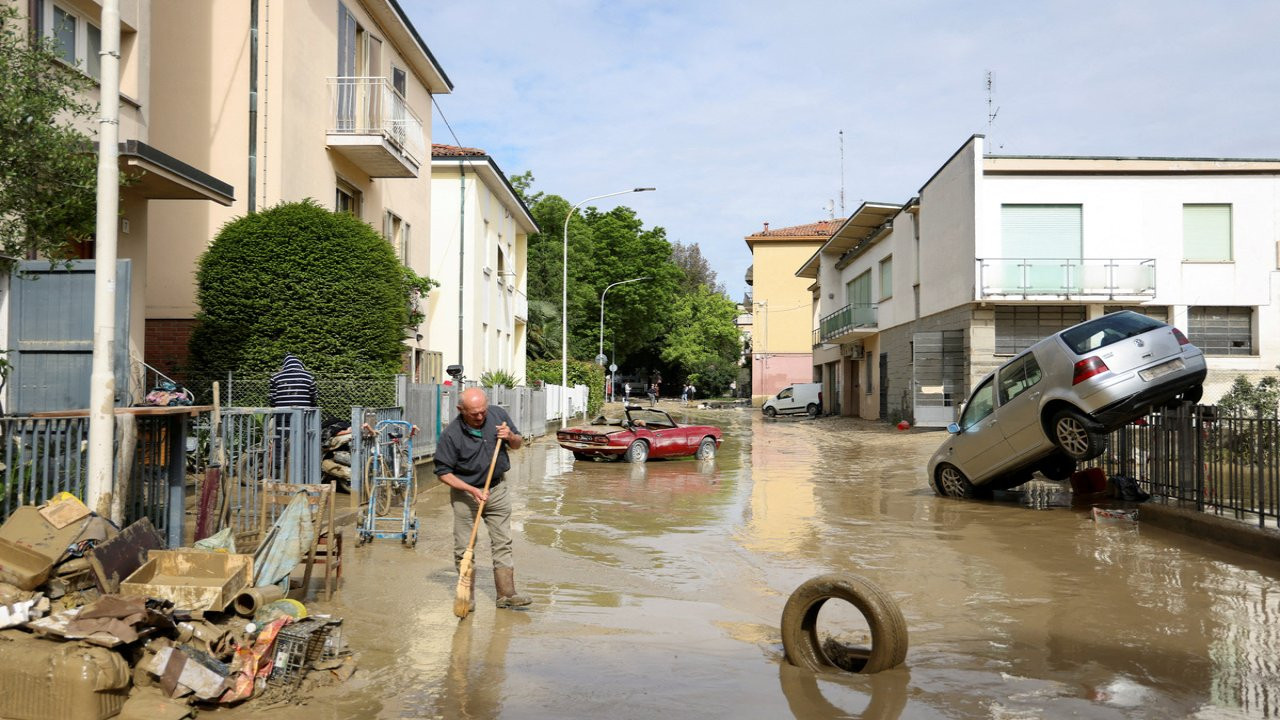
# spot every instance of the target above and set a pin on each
(980, 405)
(346, 199)
(1106, 330)
(886, 278)
(1020, 327)
(1206, 233)
(396, 231)
(1035, 239)
(77, 41)
(786, 393)
(1018, 376)
(1156, 312)
(1221, 330)
(857, 292)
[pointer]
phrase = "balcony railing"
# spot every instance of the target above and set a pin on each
(1067, 277)
(521, 307)
(850, 318)
(817, 338)
(362, 108)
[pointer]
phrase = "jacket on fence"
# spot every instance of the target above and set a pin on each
(461, 452)
(293, 386)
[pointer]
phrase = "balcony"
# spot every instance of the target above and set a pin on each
(372, 126)
(521, 307)
(850, 322)
(1066, 278)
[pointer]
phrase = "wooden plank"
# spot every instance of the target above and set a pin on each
(117, 558)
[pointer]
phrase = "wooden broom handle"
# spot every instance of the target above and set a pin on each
(493, 462)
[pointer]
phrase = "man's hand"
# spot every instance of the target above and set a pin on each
(480, 494)
(504, 432)
(513, 440)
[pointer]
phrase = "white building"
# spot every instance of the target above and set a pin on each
(914, 303)
(479, 240)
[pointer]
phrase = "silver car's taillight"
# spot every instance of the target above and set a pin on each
(1087, 368)
(1182, 339)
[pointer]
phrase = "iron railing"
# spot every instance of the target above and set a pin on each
(853, 316)
(265, 444)
(1221, 463)
(372, 106)
(1067, 277)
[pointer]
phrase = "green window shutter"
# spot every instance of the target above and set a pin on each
(886, 278)
(858, 291)
(1206, 233)
(1041, 231)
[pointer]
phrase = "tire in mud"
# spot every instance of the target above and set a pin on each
(706, 449)
(803, 646)
(637, 452)
(770, 411)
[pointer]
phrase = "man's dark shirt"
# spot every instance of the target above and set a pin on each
(466, 456)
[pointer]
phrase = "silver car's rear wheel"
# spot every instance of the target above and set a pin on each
(950, 482)
(1073, 435)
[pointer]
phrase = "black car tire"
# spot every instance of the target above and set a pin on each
(948, 481)
(805, 649)
(1075, 435)
(706, 449)
(1057, 466)
(812, 409)
(637, 452)
(770, 411)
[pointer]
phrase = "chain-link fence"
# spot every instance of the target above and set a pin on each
(1219, 381)
(338, 393)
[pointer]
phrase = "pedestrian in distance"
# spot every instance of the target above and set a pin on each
(653, 395)
(684, 394)
(292, 386)
(626, 393)
(462, 462)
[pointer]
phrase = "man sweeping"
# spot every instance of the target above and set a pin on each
(462, 462)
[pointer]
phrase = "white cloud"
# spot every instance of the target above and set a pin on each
(731, 107)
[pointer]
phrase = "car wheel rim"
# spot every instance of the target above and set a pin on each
(1073, 437)
(951, 482)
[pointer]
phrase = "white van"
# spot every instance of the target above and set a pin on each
(797, 398)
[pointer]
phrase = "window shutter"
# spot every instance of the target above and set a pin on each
(1041, 231)
(1206, 233)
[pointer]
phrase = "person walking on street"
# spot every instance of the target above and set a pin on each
(684, 394)
(626, 393)
(292, 386)
(462, 462)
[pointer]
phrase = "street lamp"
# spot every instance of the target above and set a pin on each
(600, 355)
(564, 304)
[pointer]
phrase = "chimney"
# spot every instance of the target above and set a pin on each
(766, 227)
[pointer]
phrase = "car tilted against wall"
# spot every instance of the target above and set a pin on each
(642, 433)
(1053, 405)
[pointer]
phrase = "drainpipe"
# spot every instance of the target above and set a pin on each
(100, 486)
(462, 246)
(253, 105)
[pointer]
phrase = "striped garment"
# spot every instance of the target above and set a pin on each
(293, 386)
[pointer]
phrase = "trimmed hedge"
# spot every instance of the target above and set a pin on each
(581, 372)
(297, 278)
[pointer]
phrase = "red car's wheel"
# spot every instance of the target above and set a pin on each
(637, 452)
(706, 449)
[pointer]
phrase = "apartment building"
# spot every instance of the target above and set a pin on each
(48, 328)
(915, 302)
(781, 351)
(480, 238)
(324, 99)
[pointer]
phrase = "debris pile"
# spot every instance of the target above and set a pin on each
(335, 448)
(97, 622)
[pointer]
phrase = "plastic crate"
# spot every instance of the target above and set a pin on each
(301, 644)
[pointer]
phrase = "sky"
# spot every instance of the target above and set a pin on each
(734, 109)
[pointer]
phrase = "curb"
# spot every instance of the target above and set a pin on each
(1216, 529)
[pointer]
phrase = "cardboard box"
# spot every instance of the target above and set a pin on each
(42, 680)
(194, 580)
(30, 546)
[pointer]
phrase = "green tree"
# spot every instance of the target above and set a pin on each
(47, 167)
(1249, 400)
(697, 271)
(298, 278)
(703, 343)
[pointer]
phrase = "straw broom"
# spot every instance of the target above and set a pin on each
(462, 601)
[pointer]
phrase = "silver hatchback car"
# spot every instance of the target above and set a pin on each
(1053, 405)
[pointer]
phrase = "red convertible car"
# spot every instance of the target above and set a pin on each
(642, 433)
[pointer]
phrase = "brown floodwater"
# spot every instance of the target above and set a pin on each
(659, 589)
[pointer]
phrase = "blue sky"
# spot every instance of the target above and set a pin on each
(732, 108)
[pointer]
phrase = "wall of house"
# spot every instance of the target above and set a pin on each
(200, 80)
(948, 227)
(770, 372)
(782, 317)
(493, 339)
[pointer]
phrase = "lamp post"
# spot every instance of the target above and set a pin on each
(602, 294)
(564, 304)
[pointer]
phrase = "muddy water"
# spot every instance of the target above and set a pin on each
(659, 589)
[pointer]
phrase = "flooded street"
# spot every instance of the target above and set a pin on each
(658, 591)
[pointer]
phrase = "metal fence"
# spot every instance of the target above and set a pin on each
(46, 456)
(1223, 464)
(261, 444)
(337, 393)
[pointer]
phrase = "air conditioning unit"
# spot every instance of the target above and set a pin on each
(851, 350)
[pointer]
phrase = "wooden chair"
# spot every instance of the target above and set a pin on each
(327, 547)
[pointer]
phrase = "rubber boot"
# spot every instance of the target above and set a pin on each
(504, 582)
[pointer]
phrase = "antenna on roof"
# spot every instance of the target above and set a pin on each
(830, 207)
(991, 111)
(841, 173)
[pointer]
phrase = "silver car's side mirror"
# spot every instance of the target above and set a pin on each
(954, 428)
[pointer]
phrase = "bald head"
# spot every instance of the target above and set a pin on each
(473, 404)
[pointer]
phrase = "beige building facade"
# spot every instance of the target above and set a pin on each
(479, 243)
(781, 310)
(325, 99)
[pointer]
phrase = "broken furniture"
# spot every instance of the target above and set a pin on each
(326, 545)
